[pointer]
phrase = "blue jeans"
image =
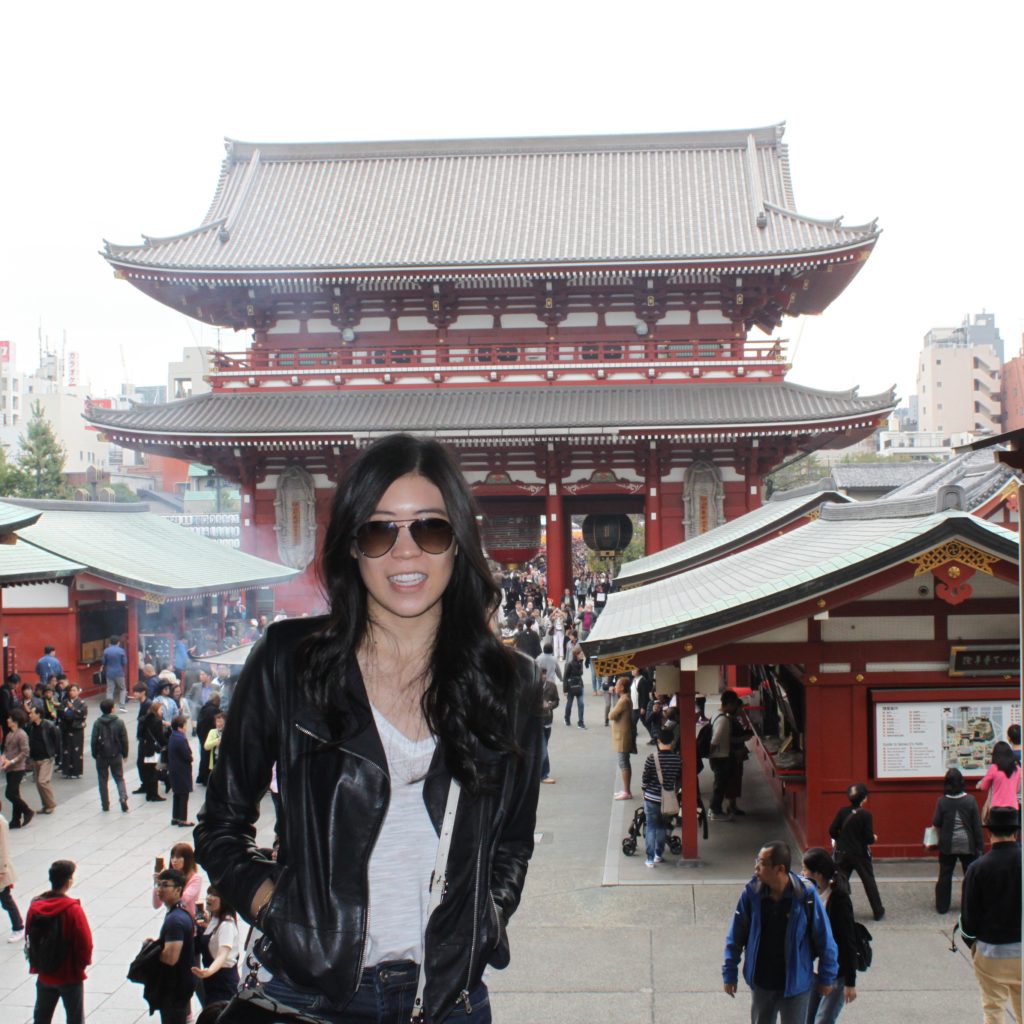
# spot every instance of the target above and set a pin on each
(568, 707)
(385, 996)
(826, 1010)
(545, 764)
(768, 1007)
(655, 832)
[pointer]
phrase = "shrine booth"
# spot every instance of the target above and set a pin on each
(117, 570)
(880, 640)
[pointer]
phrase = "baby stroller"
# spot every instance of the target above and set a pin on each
(638, 828)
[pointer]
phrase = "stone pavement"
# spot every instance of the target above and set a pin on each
(597, 937)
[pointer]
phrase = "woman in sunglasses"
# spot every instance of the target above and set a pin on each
(396, 708)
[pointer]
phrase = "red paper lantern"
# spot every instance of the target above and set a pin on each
(511, 540)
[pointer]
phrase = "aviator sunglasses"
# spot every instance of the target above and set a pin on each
(378, 536)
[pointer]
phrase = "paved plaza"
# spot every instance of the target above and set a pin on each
(598, 935)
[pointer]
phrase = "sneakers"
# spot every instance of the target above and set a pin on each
(623, 796)
(18, 936)
(567, 723)
(659, 860)
(580, 725)
(719, 816)
(648, 863)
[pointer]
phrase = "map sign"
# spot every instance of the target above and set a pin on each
(923, 739)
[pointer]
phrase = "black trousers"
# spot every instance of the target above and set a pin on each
(19, 809)
(721, 767)
(7, 902)
(179, 806)
(865, 868)
(944, 886)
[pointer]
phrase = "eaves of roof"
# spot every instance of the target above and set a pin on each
(798, 566)
(22, 562)
(748, 408)
(144, 552)
(13, 517)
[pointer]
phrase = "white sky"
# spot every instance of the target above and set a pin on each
(114, 115)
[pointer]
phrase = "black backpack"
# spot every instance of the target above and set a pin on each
(704, 743)
(107, 745)
(44, 942)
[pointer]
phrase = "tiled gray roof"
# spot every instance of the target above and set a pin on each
(745, 529)
(525, 410)
(794, 567)
(24, 563)
(138, 549)
(877, 476)
(504, 203)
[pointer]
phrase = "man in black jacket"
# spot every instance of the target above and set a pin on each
(990, 914)
(109, 748)
(43, 744)
(853, 830)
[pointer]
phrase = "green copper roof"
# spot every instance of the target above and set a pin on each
(24, 563)
(815, 559)
(135, 548)
(14, 517)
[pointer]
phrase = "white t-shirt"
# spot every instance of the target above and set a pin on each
(403, 858)
(224, 933)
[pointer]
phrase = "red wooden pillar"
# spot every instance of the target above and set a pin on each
(132, 647)
(652, 504)
(688, 753)
(557, 541)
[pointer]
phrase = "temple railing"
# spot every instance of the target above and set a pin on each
(365, 358)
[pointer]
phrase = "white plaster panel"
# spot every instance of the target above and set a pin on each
(620, 318)
(906, 666)
(284, 327)
(711, 316)
(904, 627)
(984, 585)
(982, 627)
(580, 320)
(730, 475)
(414, 323)
(905, 590)
(36, 595)
(373, 324)
(521, 320)
(791, 633)
(676, 473)
(626, 376)
(320, 481)
(676, 316)
(834, 667)
(472, 322)
(318, 325)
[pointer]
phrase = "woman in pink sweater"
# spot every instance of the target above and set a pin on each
(1003, 776)
(183, 859)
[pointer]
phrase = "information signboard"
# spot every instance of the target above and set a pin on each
(923, 739)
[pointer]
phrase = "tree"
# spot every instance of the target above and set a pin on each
(41, 461)
(10, 478)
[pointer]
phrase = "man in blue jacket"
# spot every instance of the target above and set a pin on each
(782, 925)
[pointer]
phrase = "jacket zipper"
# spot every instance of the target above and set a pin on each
(464, 994)
(366, 862)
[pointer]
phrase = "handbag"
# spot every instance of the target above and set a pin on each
(669, 797)
(252, 1005)
(931, 837)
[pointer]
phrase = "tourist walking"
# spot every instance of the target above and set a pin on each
(778, 929)
(115, 668)
(109, 748)
(43, 746)
(661, 774)
(990, 917)
(398, 705)
(572, 686)
(8, 876)
(549, 701)
(854, 834)
(14, 763)
(834, 893)
(57, 920)
(960, 838)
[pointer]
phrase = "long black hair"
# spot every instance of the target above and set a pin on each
(820, 861)
(1002, 757)
(471, 673)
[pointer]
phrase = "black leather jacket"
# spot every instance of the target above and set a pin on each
(333, 779)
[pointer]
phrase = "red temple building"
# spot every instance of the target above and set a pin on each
(590, 322)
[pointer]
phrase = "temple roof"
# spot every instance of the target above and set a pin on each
(839, 548)
(25, 563)
(14, 518)
(748, 409)
(877, 476)
(128, 546)
(592, 201)
(783, 509)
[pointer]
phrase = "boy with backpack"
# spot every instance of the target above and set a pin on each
(58, 946)
(109, 748)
